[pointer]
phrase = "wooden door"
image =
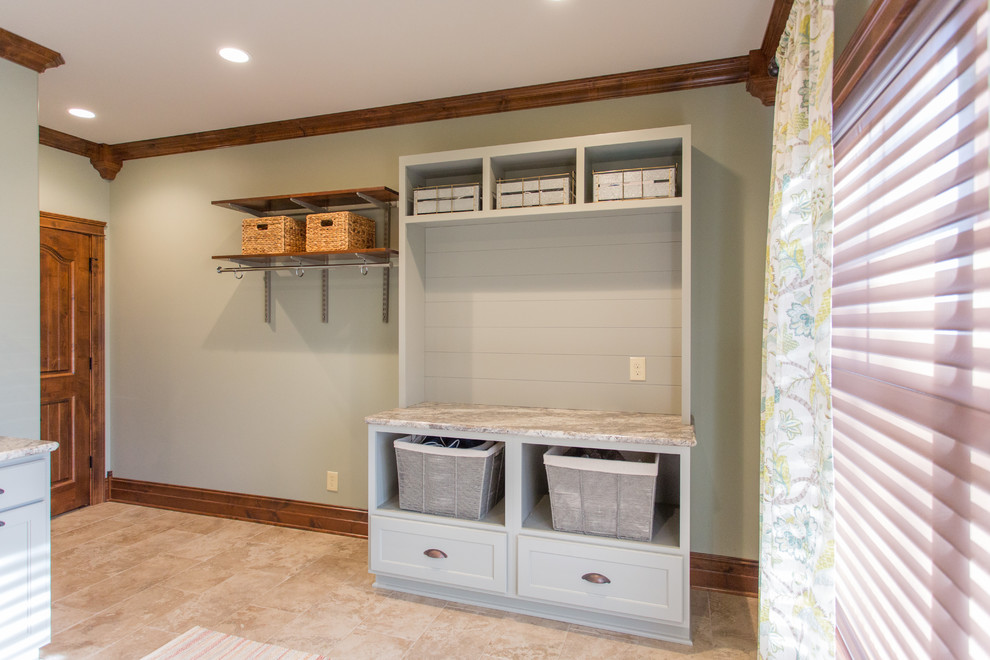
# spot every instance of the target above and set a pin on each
(71, 351)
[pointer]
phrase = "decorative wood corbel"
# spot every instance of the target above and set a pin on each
(106, 161)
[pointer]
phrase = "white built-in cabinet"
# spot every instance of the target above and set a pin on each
(542, 307)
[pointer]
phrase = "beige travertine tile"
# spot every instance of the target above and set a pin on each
(132, 513)
(525, 638)
(191, 522)
(216, 604)
(256, 623)
(108, 592)
(87, 515)
(136, 644)
(263, 557)
(220, 540)
(319, 628)
(734, 621)
(69, 576)
(456, 634)
(84, 533)
(402, 615)
(369, 645)
(65, 617)
(300, 592)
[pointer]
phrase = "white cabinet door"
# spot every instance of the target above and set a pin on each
(25, 569)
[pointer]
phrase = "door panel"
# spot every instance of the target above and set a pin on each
(66, 387)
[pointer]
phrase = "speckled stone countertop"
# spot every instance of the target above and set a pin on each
(11, 448)
(551, 423)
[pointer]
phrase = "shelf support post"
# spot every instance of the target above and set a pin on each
(325, 294)
(386, 240)
(268, 296)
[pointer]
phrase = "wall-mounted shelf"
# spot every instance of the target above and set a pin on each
(382, 199)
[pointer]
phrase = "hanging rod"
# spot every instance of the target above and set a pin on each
(249, 269)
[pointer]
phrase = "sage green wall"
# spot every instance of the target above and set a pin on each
(203, 393)
(20, 345)
(69, 185)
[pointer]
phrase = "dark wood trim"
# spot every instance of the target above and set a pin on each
(709, 572)
(622, 85)
(96, 230)
(70, 223)
(253, 508)
(874, 32)
(761, 83)
(728, 574)
(25, 52)
(49, 137)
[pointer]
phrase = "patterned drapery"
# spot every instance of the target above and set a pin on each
(797, 546)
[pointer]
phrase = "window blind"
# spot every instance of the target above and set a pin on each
(911, 346)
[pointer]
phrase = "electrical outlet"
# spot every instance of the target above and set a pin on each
(332, 481)
(637, 368)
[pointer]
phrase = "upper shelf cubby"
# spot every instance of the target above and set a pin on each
(640, 169)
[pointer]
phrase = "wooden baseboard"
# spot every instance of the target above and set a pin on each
(709, 572)
(728, 574)
(253, 508)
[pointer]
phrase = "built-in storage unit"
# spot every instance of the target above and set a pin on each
(25, 548)
(376, 200)
(522, 321)
(513, 558)
(544, 305)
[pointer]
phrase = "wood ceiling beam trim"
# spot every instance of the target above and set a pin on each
(635, 83)
(882, 20)
(25, 52)
(760, 82)
(49, 137)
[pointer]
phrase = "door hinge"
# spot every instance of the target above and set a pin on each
(90, 462)
(92, 264)
(90, 362)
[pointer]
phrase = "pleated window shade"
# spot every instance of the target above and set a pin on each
(911, 344)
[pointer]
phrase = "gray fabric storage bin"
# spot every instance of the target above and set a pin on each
(600, 496)
(463, 483)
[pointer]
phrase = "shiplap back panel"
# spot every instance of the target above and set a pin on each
(547, 313)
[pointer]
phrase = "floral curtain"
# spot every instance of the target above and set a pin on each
(797, 546)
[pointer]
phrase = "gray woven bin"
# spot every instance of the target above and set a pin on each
(463, 483)
(602, 497)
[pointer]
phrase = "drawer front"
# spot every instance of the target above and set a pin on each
(23, 483)
(446, 554)
(643, 584)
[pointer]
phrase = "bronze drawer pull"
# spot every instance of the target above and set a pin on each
(596, 578)
(433, 553)
(2, 491)
(2, 523)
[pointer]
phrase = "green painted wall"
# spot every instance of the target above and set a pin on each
(203, 393)
(20, 352)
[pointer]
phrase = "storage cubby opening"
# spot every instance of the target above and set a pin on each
(537, 511)
(636, 155)
(451, 173)
(483, 478)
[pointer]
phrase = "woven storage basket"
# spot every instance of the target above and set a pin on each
(600, 496)
(637, 183)
(273, 235)
(343, 230)
(464, 483)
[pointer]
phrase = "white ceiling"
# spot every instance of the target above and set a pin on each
(149, 68)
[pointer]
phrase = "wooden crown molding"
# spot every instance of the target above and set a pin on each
(25, 52)
(108, 159)
(72, 223)
(761, 83)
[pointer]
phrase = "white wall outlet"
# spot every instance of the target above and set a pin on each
(332, 481)
(637, 368)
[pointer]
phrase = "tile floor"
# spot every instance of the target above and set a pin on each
(127, 579)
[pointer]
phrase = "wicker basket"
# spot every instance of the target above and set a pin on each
(638, 183)
(343, 230)
(545, 190)
(602, 496)
(273, 235)
(447, 199)
(464, 483)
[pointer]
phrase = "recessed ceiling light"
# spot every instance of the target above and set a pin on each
(234, 55)
(82, 112)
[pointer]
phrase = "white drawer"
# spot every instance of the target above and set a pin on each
(446, 554)
(642, 584)
(23, 483)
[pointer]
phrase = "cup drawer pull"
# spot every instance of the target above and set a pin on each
(2, 491)
(2, 523)
(433, 553)
(595, 578)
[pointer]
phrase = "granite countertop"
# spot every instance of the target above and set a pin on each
(11, 448)
(552, 423)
